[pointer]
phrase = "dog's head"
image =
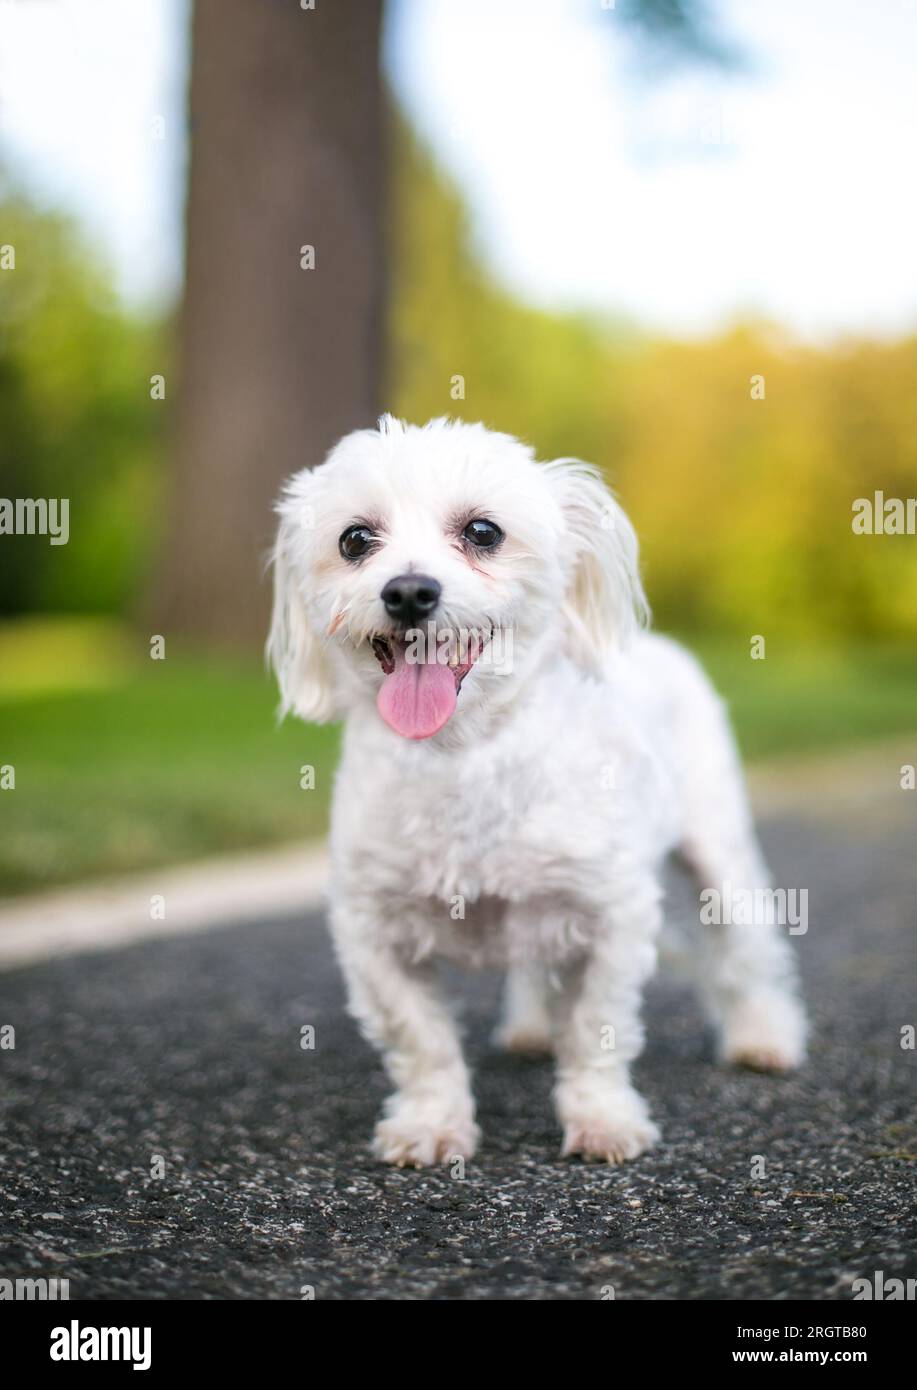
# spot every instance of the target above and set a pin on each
(432, 569)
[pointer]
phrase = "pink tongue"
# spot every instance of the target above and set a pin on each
(418, 698)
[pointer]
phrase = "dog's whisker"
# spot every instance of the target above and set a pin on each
(336, 622)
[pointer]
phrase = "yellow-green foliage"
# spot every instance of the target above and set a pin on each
(744, 505)
(76, 419)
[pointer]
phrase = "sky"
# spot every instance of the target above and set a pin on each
(680, 198)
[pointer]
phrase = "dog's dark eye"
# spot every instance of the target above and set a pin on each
(484, 534)
(355, 541)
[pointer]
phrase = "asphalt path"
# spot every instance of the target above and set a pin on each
(163, 1133)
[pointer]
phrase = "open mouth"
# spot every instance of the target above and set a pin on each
(420, 687)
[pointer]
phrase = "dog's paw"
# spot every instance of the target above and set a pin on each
(421, 1145)
(416, 1134)
(767, 1035)
(611, 1127)
(608, 1140)
(755, 1058)
(526, 1039)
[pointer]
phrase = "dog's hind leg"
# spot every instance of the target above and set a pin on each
(525, 1024)
(746, 969)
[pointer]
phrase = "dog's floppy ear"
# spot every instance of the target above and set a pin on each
(605, 601)
(294, 651)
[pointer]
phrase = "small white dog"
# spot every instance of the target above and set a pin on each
(517, 763)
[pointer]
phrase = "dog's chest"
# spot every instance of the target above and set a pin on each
(494, 881)
(488, 856)
(479, 836)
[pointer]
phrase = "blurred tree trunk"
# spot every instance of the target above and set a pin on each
(276, 361)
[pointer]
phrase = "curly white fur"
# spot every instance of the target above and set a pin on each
(530, 830)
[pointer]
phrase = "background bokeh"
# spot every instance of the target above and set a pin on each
(708, 272)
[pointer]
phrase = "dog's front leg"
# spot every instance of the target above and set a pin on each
(430, 1116)
(599, 1032)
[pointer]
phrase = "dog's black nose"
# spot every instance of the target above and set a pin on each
(410, 598)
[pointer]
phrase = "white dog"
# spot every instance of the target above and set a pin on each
(517, 763)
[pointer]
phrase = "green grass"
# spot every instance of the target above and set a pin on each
(807, 699)
(174, 760)
(155, 762)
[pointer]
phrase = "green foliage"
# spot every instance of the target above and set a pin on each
(76, 420)
(743, 505)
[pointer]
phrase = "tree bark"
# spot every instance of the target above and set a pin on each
(276, 361)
